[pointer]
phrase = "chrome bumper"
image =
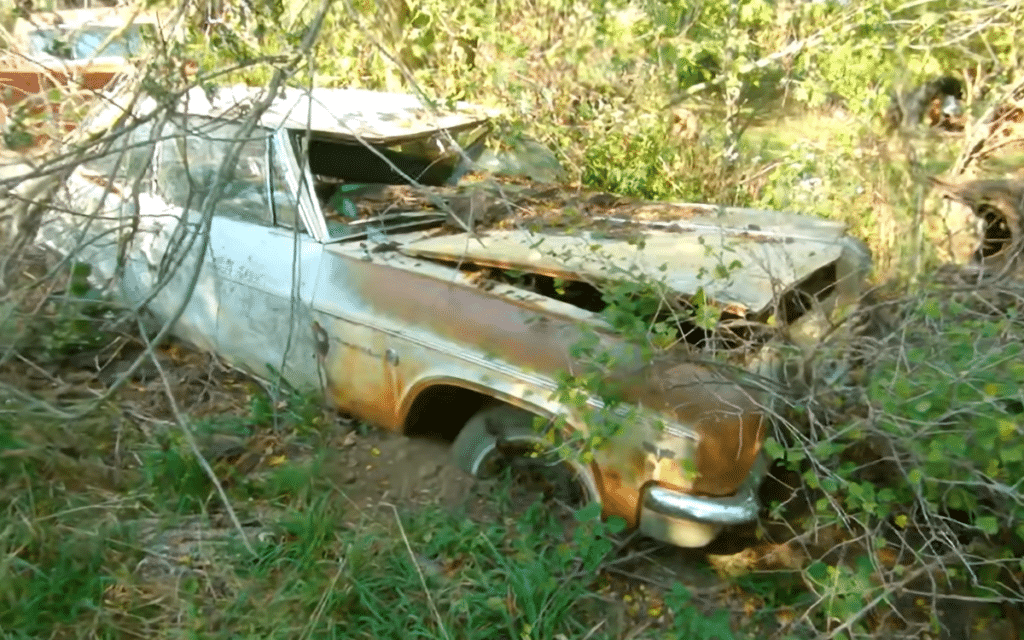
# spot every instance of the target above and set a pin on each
(738, 509)
(693, 521)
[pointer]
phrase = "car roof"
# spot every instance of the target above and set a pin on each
(349, 114)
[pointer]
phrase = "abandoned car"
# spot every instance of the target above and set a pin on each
(938, 101)
(75, 53)
(292, 240)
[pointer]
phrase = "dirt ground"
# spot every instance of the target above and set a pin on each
(371, 467)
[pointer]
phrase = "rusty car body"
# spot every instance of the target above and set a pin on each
(984, 226)
(426, 310)
(54, 62)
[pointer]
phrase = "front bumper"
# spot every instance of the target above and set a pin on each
(686, 520)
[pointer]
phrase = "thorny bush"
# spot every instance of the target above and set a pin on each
(918, 457)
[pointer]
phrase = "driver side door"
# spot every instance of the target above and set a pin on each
(262, 260)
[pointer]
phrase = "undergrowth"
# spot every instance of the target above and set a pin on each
(85, 559)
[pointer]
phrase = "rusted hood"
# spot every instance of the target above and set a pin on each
(743, 259)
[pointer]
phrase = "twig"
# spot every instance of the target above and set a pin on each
(699, 591)
(321, 605)
(594, 629)
(635, 633)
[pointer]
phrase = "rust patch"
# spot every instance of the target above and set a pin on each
(466, 315)
(359, 380)
(727, 450)
(617, 497)
(727, 418)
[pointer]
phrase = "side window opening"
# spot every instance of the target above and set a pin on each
(345, 172)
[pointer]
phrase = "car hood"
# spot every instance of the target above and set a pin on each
(742, 259)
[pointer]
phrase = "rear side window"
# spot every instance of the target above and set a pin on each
(128, 156)
(191, 155)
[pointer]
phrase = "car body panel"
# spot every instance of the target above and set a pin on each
(698, 256)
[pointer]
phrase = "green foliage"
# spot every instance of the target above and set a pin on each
(512, 580)
(924, 459)
(952, 400)
(690, 622)
(594, 80)
(19, 132)
(53, 550)
(53, 581)
(846, 590)
(184, 482)
(641, 158)
(186, 486)
(71, 566)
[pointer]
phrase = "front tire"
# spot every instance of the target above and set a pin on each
(501, 436)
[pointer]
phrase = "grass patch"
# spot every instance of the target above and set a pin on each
(156, 556)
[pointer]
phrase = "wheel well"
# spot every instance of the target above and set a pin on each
(442, 410)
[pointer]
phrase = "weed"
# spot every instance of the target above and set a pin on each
(690, 622)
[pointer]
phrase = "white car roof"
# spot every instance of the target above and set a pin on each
(373, 117)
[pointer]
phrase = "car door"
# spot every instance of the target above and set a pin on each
(262, 260)
(351, 342)
(168, 265)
